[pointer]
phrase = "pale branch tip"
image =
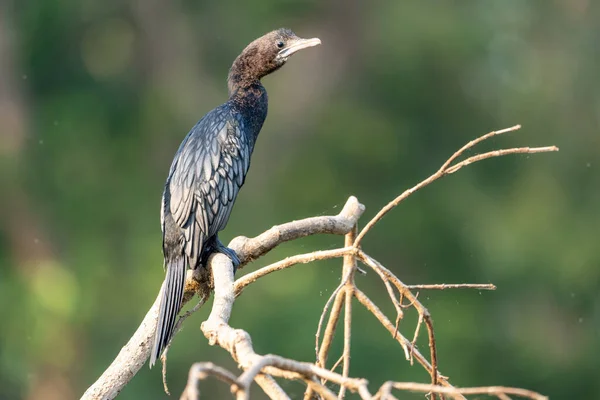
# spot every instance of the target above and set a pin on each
(135, 353)
(496, 391)
(447, 169)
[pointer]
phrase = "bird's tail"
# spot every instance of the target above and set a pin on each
(172, 296)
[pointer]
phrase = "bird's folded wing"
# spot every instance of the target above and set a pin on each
(205, 178)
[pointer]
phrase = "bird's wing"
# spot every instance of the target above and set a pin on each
(205, 178)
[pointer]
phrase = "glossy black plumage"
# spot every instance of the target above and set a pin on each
(210, 168)
(206, 175)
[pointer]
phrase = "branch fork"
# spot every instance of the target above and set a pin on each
(218, 278)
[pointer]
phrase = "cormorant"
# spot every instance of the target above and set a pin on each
(210, 168)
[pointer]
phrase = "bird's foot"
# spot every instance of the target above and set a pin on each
(221, 248)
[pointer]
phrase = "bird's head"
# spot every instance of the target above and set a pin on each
(267, 54)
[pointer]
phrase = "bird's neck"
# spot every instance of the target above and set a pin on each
(250, 93)
(252, 103)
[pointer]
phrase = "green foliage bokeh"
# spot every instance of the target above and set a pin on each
(96, 96)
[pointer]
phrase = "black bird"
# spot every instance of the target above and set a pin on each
(210, 168)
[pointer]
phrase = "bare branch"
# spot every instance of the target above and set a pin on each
(502, 396)
(137, 350)
(176, 329)
(218, 277)
(337, 363)
(489, 390)
(347, 335)
(201, 371)
(446, 169)
(238, 343)
(474, 142)
(306, 258)
(314, 386)
(338, 294)
(349, 269)
(129, 360)
(270, 387)
(443, 286)
(250, 249)
(404, 342)
(499, 153)
(423, 312)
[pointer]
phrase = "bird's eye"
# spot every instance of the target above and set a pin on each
(280, 44)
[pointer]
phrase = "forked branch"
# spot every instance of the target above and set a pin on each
(134, 354)
(218, 278)
(447, 168)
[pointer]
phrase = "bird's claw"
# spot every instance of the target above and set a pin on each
(232, 256)
(235, 260)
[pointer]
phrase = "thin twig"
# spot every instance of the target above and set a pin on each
(176, 330)
(349, 267)
(499, 153)
(337, 363)
(397, 303)
(201, 371)
(423, 312)
(404, 342)
(308, 393)
(347, 336)
(239, 344)
(306, 258)
(320, 389)
(489, 390)
(474, 142)
(338, 297)
(446, 169)
(271, 387)
(443, 286)
(416, 335)
(322, 353)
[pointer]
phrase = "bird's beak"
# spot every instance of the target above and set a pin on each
(297, 44)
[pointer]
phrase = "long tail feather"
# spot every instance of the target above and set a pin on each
(170, 303)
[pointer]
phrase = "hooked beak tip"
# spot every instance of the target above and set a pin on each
(314, 41)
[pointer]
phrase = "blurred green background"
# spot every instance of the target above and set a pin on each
(95, 98)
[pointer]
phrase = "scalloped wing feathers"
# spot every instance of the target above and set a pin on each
(206, 175)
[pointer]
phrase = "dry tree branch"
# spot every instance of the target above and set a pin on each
(343, 293)
(443, 286)
(251, 249)
(446, 169)
(270, 387)
(238, 343)
(349, 269)
(474, 142)
(498, 153)
(404, 342)
(497, 391)
(137, 350)
(129, 360)
(218, 276)
(306, 258)
(200, 371)
(424, 315)
(334, 316)
(176, 329)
